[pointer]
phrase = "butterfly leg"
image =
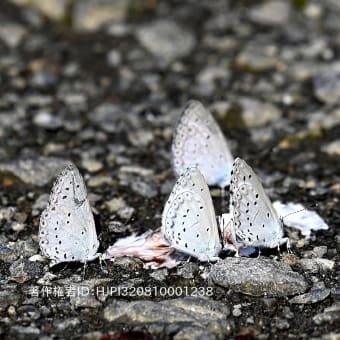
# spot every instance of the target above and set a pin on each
(259, 255)
(101, 260)
(288, 247)
(278, 249)
(84, 270)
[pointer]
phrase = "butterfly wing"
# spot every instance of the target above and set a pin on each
(67, 231)
(189, 220)
(255, 221)
(198, 141)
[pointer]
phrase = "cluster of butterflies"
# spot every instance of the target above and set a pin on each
(201, 157)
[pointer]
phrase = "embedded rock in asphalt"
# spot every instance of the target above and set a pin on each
(257, 276)
(316, 294)
(188, 311)
(166, 40)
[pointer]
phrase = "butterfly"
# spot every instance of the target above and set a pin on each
(254, 221)
(189, 221)
(67, 230)
(198, 141)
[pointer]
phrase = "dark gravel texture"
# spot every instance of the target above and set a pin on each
(102, 83)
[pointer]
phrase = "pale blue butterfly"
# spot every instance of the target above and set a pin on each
(254, 221)
(189, 221)
(198, 141)
(67, 230)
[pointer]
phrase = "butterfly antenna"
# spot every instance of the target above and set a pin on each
(292, 213)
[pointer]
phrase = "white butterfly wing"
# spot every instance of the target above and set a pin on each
(198, 141)
(255, 221)
(189, 220)
(67, 230)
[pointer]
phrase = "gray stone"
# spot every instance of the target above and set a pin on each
(208, 79)
(27, 248)
(92, 165)
(316, 265)
(109, 117)
(43, 78)
(35, 171)
(327, 85)
(47, 120)
(115, 204)
(140, 138)
(256, 58)
(8, 297)
(53, 9)
(40, 204)
(329, 315)
(271, 13)
(114, 58)
(12, 34)
(187, 270)
(8, 253)
(28, 312)
(256, 113)
(98, 181)
(282, 324)
(159, 274)
(135, 169)
(333, 148)
(62, 325)
(22, 332)
(23, 270)
(237, 312)
(145, 187)
(117, 227)
(194, 333)
(335, 291)
(320, 251)
(7, 213)
(315, 295)
(128, 262)
(331, 336)
(257, 276)
(166, 40)
(198, 312)
(91, 15)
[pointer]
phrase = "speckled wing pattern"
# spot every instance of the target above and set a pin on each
(254, 220)
(67, 230)
(189, 220)
(198, 141)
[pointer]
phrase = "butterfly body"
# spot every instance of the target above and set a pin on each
(189, 220)
(67, 231)
(198, 141)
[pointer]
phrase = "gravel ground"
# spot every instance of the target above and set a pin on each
(102, 83)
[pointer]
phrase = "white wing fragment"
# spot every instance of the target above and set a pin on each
(294, 215)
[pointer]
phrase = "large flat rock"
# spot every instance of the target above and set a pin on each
(258, 277)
